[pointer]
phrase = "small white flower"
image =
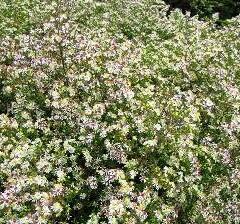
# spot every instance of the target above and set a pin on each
(116, 207)
(158, 127)
(46, 211)
(41, 181)
(92, 181)
(58, 189)
(8, 89)
(55, 95)
(60, 174)
(132, 173)
(55, 104)
(151, 142)
(208, 103)
(57, 207)
(68, 147)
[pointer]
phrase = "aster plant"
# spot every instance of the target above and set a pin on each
(115, 112)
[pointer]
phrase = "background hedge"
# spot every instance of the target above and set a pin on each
(206, 8)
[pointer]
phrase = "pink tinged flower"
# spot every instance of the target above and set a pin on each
(110, 176)
(37, 47)
(45, 61)
(80, 56)
(142, 215)
(18, 59)
(58, 190)
(226, 157)
(5, 198)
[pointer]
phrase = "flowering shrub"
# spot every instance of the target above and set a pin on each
(114, 112)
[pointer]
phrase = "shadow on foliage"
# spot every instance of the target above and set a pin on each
(206, 8)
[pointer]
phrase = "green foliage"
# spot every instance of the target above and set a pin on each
(117, 112)
(206, 8)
